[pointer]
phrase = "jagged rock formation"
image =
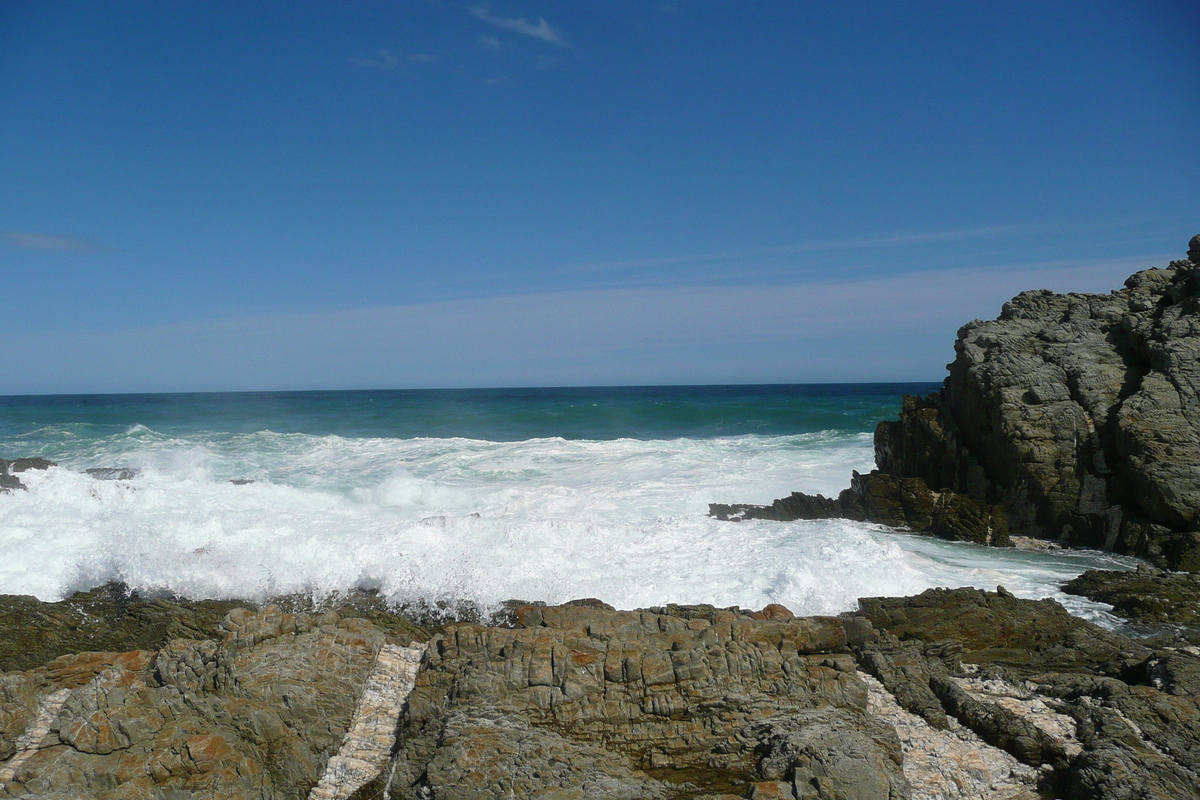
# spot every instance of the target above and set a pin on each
(950, 694)
(1100, 715)
(641, 704)
(1147, 596)
(1077, 415)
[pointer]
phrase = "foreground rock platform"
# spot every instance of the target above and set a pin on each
(949, 694)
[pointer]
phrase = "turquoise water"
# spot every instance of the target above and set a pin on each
(505, 415)
(475, 496)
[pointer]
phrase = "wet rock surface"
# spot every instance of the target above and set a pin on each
(9, 470)
(949, 694)
(888, 500)
(107, 618)
(113, 618)
(1076, 415)
(1147, 595)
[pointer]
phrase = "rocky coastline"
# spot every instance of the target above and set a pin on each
(1071, 417)
(950, 694)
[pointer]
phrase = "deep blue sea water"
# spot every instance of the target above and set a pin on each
(474, 495)
(602, 413)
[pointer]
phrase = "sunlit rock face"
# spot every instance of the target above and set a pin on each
(1083, 413)
(1073, 417)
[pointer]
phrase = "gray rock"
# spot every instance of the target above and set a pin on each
(1082, 411)
(823, 754)
(885, 499)
(1132, 714)
(255, 714)
(1073, 417)
(113, 473)
(9, 469)
(650, 704)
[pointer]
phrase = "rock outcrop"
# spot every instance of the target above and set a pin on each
(256, 713)
(1100, 715)
(1073, 417)
(888, 500)
(9, 470)
(947, 695)
(641, 704)
(1147, 595)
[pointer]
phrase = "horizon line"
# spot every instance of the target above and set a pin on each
(472, 388)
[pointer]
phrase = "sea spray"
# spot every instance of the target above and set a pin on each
(452, 520)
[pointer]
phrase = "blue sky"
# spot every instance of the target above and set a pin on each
(226, 196)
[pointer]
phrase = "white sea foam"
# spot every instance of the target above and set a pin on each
(461, 519)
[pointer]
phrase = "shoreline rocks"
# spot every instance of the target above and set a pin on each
(9, 469)
(949, 694)
(885, 499)
(1147, 595)
(1070, 417)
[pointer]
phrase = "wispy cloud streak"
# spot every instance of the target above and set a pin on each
(829, 245)
(40, 241)
(894, 327)
(386, 61)
(539, 30)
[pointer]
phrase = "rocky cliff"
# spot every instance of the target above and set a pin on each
(1073, 417)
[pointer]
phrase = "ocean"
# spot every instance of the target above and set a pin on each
(477, 497)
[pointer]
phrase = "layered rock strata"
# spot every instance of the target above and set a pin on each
(950, 694)
(1074, 417)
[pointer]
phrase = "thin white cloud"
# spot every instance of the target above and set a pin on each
(828, 245)
(490, 42)
(386, 61)
(501, 80)
(39, 241)
(898, 327)
(422, 58)
(539, 30)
